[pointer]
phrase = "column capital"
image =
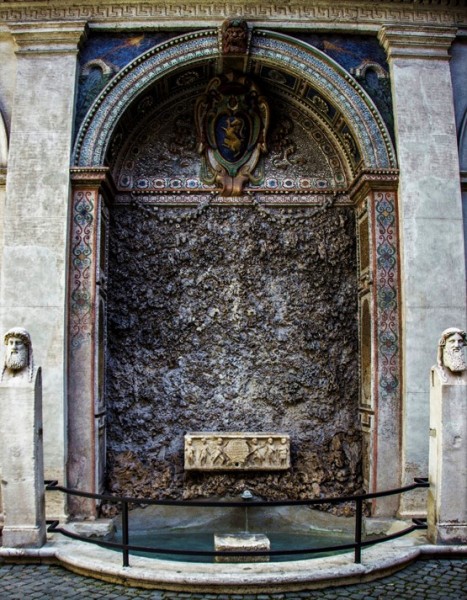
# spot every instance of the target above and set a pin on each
(53, 37)
(408, 41)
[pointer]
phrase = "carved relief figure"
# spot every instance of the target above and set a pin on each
(451, 350)
(234, 36)
(19, 364)
(228, 451)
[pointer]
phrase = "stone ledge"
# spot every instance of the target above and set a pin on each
(319, 573)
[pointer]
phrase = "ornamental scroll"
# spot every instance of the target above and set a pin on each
(215, 451)
(232, 119)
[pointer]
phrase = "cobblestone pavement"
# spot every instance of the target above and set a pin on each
(423, 580)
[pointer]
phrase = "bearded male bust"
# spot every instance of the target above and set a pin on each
(18, 367)
(451, 363)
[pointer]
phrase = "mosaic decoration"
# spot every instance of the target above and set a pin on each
(386, 296)
(302, 155)
(371, 132)
(82, 265)
(232, 120)
(127, 84)
(360, 128)
(102, 56)
(364, 58)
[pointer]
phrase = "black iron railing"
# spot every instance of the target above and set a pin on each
(126, 547)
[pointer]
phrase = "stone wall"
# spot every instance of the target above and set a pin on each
(229, 319)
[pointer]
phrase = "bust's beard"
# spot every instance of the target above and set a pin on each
(16, 361)
(454, 359)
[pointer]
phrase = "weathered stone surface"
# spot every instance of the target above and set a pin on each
(239, 542)
(232, 321)
(219, 451)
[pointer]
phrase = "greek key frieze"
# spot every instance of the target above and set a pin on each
(365, 12)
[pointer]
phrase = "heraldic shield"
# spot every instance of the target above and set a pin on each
(232, 118)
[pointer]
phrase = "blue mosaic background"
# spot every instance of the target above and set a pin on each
(116, 50)
(350, 52)
(119, 49)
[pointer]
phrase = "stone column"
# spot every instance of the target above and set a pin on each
(21, 451)
(430, 223)
(36, 213)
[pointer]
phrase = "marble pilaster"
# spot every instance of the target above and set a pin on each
(36, 210)
(430, 225)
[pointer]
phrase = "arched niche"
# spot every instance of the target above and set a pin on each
(318, 80)
(333, 126)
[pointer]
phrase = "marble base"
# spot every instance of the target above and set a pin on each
(239, 542)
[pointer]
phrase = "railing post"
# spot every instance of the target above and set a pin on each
(358, 530)
(126, 562)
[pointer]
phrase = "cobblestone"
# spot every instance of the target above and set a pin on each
(423, 580)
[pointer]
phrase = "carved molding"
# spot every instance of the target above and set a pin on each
(353, 14)
(417, 42)
(215, 451)
(52, 38)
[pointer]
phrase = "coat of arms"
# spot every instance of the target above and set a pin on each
(232, 119)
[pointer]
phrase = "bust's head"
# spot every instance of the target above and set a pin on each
(18, 354)
(451, 350)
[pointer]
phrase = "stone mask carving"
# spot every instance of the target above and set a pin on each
(19, 362)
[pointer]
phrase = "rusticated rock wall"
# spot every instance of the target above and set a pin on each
(232, 321)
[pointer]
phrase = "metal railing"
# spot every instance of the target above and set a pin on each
(126, 547)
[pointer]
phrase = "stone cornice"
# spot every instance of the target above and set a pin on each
(370, 180)
(353, 14)
(94, 178)
(51, 38)
(417, 42)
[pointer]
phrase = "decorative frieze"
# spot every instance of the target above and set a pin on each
(214, 451)
(366, 12)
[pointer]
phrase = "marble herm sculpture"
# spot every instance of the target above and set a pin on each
(21, 442)
(18, 365)
(447, 496)
(214, 451)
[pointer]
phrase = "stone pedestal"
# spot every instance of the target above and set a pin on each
(447, 497)
(22, 466)
(241, 542)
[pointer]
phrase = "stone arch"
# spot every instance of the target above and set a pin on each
(353, 125)
(359, 115)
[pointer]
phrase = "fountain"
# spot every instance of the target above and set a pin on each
(244, 541)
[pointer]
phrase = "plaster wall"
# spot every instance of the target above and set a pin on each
(36, 209)
(431, 229)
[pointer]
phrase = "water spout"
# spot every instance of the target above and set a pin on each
(246, 496)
